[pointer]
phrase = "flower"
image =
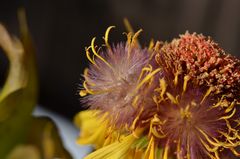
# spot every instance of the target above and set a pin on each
(199, 109)
(186, 104)
(93, 129)
(206, 63)
(119, 80)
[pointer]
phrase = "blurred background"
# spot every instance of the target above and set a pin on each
(61, 29)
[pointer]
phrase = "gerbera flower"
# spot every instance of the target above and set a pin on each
(182, 107)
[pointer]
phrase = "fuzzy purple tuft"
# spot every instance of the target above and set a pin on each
(115, 84)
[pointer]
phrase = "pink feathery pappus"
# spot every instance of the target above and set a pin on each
(116, 80)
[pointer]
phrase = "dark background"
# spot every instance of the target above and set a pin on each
(61, 29)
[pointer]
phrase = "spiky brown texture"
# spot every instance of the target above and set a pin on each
(198, 112)
(205, 62)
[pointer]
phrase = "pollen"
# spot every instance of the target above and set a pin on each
(205, 62)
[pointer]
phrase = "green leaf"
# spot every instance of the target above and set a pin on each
(42, 141)
(141, 143)
(19, 94)
(20, 133)
(44, 135)
(24, 152)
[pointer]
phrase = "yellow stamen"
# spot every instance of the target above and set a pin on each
(172, 98)
(152, 151)
(129, 41)
(228, 116)
(216, 155)
(147, 78)
(136, 119)
(155, 121)
(135, 42)
(208, 148)
(128, 25)
(83, 93)
(230, 107)
(229, 126)
(206, 94)
(185, 113)
(176, 79)
(179, 153)
(85, 74)
(144, 70)
(88, 56)
(155, 99)
(165, 153)
(215, 144)
(235, 152)
(135, 100)
(157, 134)
(163, 86)
(86, 88)
(157, 46)
(95, 53)
(186, 79)
(218, 103)
(129, 38)
(107, 35)
(229, 138)
(151, 45)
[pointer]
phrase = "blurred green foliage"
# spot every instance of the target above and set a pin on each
(23, 136)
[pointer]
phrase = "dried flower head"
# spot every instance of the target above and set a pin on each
(118, 80)
(196, 116)
(185, 107)
(205, 63)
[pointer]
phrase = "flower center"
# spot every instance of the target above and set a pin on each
(185, 113)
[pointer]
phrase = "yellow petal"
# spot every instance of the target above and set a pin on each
(118, 149)
(93, 128)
